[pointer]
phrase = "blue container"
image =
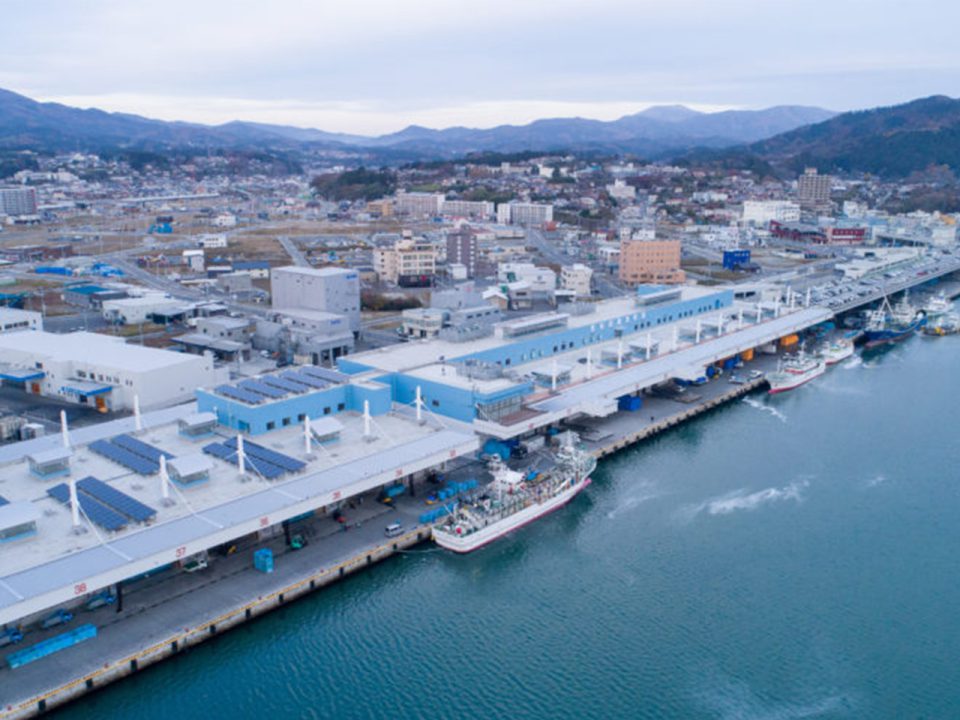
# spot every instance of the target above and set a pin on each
(395, 490)
(51, 645)
(711, 371)
(263, 560)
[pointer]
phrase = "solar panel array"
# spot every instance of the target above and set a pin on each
(304, 379)
(275, 387)
(138, 447)
(115, 499)
(262, 389)
(264, 468)
(283, 384)
(98, 513)
(122, 456)
(133, 454)
(271, 456)
(235, 393)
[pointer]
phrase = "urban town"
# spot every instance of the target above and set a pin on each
(262, 381)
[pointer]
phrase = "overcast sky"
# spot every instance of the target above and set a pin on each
(373, 66)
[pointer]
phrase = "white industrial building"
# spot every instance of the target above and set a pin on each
(102, 371)
(137, 310)
(332, 290)
(16, 320)
(540, 279)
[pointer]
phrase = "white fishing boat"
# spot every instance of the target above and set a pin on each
(795, 372)
(512, 500)
(836, 351)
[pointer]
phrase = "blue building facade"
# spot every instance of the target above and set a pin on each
(291, 410)
(460, 403)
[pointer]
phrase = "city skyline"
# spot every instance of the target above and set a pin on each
(374, 67)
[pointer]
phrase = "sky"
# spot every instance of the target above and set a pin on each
(376, 66)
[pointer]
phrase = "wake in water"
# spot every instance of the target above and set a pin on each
(754, 403)
(732, 698)
(646, 492)
(742, 500)
(855, 361)
(876, 480)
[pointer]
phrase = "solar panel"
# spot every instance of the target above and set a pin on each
(3, 501)
(261, 389)
(307, 380)
(144, 450)
(96, 511)
(119, 501)
(124, 457)
(258, 451)
(262, 467)
(278, 382)
(236, 393)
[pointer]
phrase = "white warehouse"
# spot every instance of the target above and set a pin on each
(102, 371)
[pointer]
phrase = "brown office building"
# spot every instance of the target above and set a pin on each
(650, 261)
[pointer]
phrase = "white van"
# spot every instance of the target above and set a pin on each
(393, 529)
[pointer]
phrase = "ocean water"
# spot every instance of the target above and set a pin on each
(793, 557)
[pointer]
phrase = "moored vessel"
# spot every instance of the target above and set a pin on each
(889, 324)
(795, 372)
(512, 501)
(836, 351)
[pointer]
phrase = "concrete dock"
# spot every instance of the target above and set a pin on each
(162, 616)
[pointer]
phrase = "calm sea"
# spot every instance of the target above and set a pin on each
(794, 557)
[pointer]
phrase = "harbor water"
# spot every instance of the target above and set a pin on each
(785, 557)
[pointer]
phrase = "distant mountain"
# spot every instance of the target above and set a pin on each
(27, 124)
(888, 141)
(654, 130)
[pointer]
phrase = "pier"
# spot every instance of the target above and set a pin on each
(161, 619)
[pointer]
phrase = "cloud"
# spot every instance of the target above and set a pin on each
(472, 62)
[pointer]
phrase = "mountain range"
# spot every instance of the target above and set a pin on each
(26, 123)
(888, 141)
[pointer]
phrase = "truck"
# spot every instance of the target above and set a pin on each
(58, 617)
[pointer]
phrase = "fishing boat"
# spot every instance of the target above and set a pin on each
(836, 351)
(937, 306)
(889, 324)
(513, 499)
(948, 324)
(795, 372)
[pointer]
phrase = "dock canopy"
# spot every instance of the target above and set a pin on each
(84, 388)
(15, 374)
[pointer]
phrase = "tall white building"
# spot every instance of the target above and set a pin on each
(517, 213)
(332, 290)
(419, 203)
(621, 191)
(478, 209)
(577, 278)
(18, 201)
(409, 261)
(761, 212)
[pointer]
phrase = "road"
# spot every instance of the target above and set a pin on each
(293, 251)
(552, 254)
